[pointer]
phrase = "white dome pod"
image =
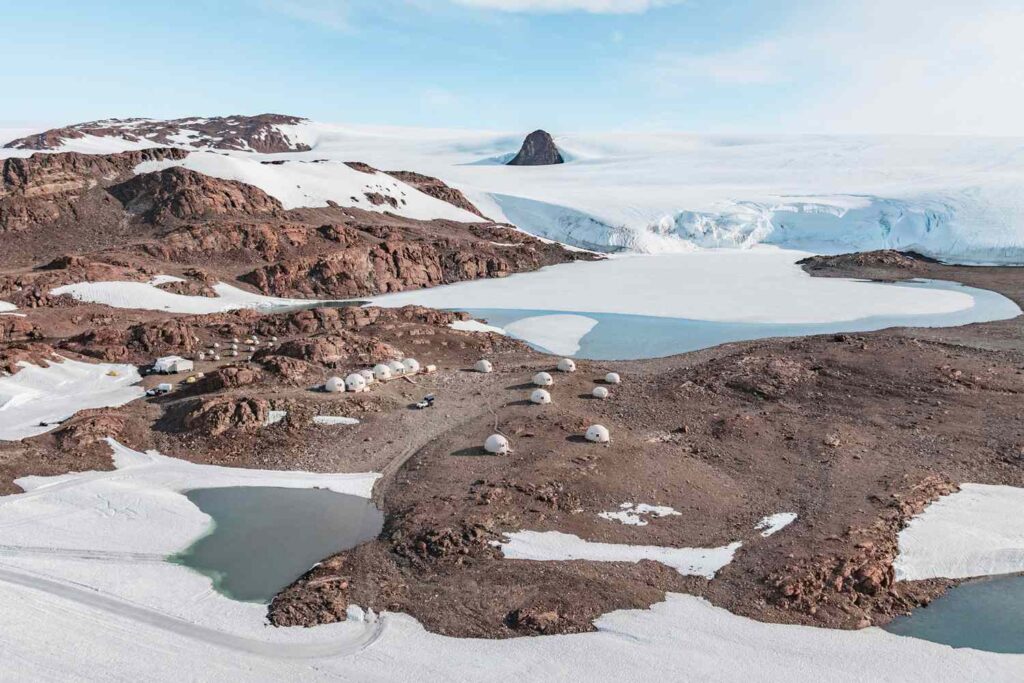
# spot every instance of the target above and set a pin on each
(540, 397)
(396, 367)
(543, 379)
(381, 372)
(412, 366)
(599, 392)
(483, 365)
(355, 382)
(368, 376)
(335, 385)
(567, 365)
(612, 378)
(598, 434)
(497, 444)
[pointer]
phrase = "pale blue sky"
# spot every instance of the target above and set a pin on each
(934, 66)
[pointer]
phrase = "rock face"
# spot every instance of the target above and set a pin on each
(44, 189)
(538, 150)
(247, 133)
(184, 194)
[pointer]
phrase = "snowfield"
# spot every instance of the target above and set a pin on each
(148, 296)
(37, 399)
(317, 182)
(977, 531)
(955, 198)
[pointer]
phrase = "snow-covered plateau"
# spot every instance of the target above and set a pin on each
(955, 198)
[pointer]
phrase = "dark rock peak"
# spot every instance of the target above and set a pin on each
(538, 150)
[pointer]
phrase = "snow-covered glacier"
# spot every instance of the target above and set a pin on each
(954, 198)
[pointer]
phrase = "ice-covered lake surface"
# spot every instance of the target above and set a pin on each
(657, 305)
(627, 337)
(984, 615)
(264, 537)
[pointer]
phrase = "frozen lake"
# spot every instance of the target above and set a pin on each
(626, 337)
(984, 615)
(264, 537)
(657, 305)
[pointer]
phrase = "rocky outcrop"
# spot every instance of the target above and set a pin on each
(247, 133)
(538, 150)
(217, 415)
(335, 349)
(180, 193)
(44, 188)
(436, 189)
(862, 583)
(139, 343)
(393, 265)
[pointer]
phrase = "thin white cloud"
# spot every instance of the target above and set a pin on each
(560, 6)
(875, 66)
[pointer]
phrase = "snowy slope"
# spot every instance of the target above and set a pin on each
(37, 399)
(952, 197)
(315, 183)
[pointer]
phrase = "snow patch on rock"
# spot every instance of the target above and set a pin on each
(773, 524)
(637, 514)
(977, 531)
(557, 546)
(147, 296)
(37, 399)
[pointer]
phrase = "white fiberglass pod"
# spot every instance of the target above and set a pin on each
(540, 396)
(612, 378)
(396, 367)
(368, 376)
(497, 444)
(412, 366)
(381, 372)
(598, 434)
(355, 382)
(567, 365)
(335, 385)
(600, 392)
(483, 365)
(543, 379)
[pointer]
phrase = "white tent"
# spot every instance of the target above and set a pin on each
(169, 365)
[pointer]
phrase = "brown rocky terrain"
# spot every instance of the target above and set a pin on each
(247, 133)
(69, 209)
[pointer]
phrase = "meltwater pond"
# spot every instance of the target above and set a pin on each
(263, 537)
(618, 336)
(985, 615)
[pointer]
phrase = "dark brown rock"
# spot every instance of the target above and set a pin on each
(538, 150)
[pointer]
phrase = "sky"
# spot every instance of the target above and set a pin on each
(704, 66)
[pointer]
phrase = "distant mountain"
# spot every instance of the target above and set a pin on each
(262, 133)
(538, 150)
